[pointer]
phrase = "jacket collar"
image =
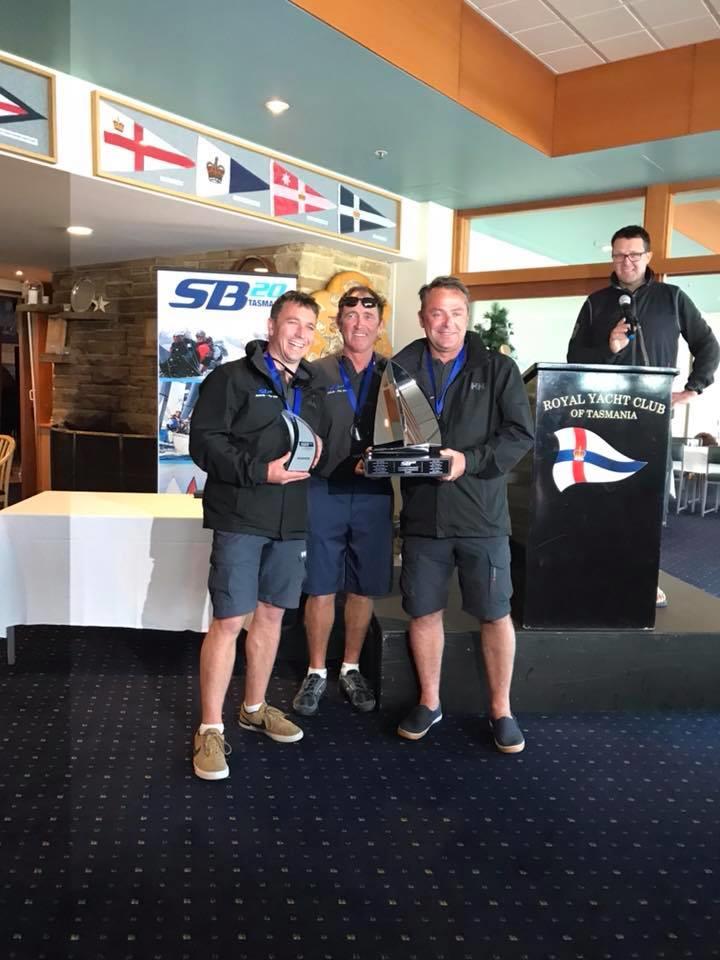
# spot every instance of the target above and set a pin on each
(649, 278)
(477, 352)
(255, 352)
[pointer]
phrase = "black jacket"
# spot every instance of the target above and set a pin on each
(664, 313)
(341, 452)
(235, 431)
(487, 417)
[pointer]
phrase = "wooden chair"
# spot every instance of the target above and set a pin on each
(7, 450)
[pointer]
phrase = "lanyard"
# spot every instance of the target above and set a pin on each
(278, 384)
(357, 403)
(456, 368)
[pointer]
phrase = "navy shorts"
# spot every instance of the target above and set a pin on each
(245, 568)
(483, 565)
(350, 537)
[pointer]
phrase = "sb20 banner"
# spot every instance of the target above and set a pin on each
(203, 321)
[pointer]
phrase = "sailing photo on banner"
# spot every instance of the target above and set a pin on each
(203, 321)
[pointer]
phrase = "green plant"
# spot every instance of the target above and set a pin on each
(497, 332)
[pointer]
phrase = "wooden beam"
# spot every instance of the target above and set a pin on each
(657, 218)
(527, 291)
(574, 271)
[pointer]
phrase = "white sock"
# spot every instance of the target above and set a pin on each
(252, 709)
(204, 727)
(320, 671)
(346, 667)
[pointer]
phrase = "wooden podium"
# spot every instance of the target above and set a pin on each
(587, 503)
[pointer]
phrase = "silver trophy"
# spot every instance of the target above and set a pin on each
(406, 439)
(303, 446)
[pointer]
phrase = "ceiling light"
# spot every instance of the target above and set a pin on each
(276, 107)
(79, 231)
(19, 273)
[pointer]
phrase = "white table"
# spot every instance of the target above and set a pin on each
(104, 560)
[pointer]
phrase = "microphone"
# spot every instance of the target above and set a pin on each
(627, 308)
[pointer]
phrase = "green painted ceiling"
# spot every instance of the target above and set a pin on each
(216, 63)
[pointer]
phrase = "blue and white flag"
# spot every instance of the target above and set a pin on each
(357, 214)
(218, 174)
(584, 457)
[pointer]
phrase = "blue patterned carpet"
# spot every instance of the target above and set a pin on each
(691, 550)
(599, 842)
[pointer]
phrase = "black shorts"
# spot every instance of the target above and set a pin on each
(245, 568)
(350, 537)
(483, 565)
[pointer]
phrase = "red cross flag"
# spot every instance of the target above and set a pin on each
(129, 146)
(292, 195)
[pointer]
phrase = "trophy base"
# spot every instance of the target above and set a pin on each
(406, 462)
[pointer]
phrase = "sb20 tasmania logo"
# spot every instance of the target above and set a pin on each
(194, 293)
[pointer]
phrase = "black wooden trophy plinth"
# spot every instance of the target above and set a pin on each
(587, 504)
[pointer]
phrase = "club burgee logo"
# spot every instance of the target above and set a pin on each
(584, 457)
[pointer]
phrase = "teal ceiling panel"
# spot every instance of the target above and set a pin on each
(216, 64)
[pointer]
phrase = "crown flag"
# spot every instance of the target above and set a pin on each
(584, 457)
(128, 146)
(356, 214)
(13, 109)
(292, 195)
(219, 175)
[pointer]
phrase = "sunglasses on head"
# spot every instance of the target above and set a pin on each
(354, 301)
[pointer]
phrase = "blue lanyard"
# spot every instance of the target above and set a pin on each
(275, 377)
(357, 403)
(456, 368)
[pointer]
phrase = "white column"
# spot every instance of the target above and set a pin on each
(426, 236)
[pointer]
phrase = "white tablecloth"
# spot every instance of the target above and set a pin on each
(105, 560)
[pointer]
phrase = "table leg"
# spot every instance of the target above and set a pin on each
(10, 641)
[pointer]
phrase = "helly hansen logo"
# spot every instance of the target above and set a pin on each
(477, 386)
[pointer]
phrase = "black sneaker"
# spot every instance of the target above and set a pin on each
(507, 735)
(307, 699)
(417, 723)
(357, 690)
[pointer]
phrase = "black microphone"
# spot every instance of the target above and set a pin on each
(627, 308)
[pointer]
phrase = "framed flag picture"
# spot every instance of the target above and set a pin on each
(154, 151)
(27, 110)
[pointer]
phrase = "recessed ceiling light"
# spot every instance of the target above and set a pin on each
(276, 107)
(79, 231)
(19, 273)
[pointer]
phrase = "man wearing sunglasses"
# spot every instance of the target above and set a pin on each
(658, 312)
(349, 546)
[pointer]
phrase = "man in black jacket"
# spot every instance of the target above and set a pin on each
(257, 511)
(350, 516)
(662, 313)
(659, 314)
(462, 521)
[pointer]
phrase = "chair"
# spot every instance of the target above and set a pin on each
(693, 478)
(712, 477)
(7, 450)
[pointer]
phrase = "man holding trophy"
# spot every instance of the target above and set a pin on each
(350, 517)
(248, 435)
(455, 511)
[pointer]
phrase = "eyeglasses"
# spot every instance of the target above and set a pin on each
(354, 301)
(633, 257)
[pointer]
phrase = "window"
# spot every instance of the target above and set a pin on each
(549, 237)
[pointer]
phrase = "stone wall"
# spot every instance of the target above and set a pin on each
(107, 381)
